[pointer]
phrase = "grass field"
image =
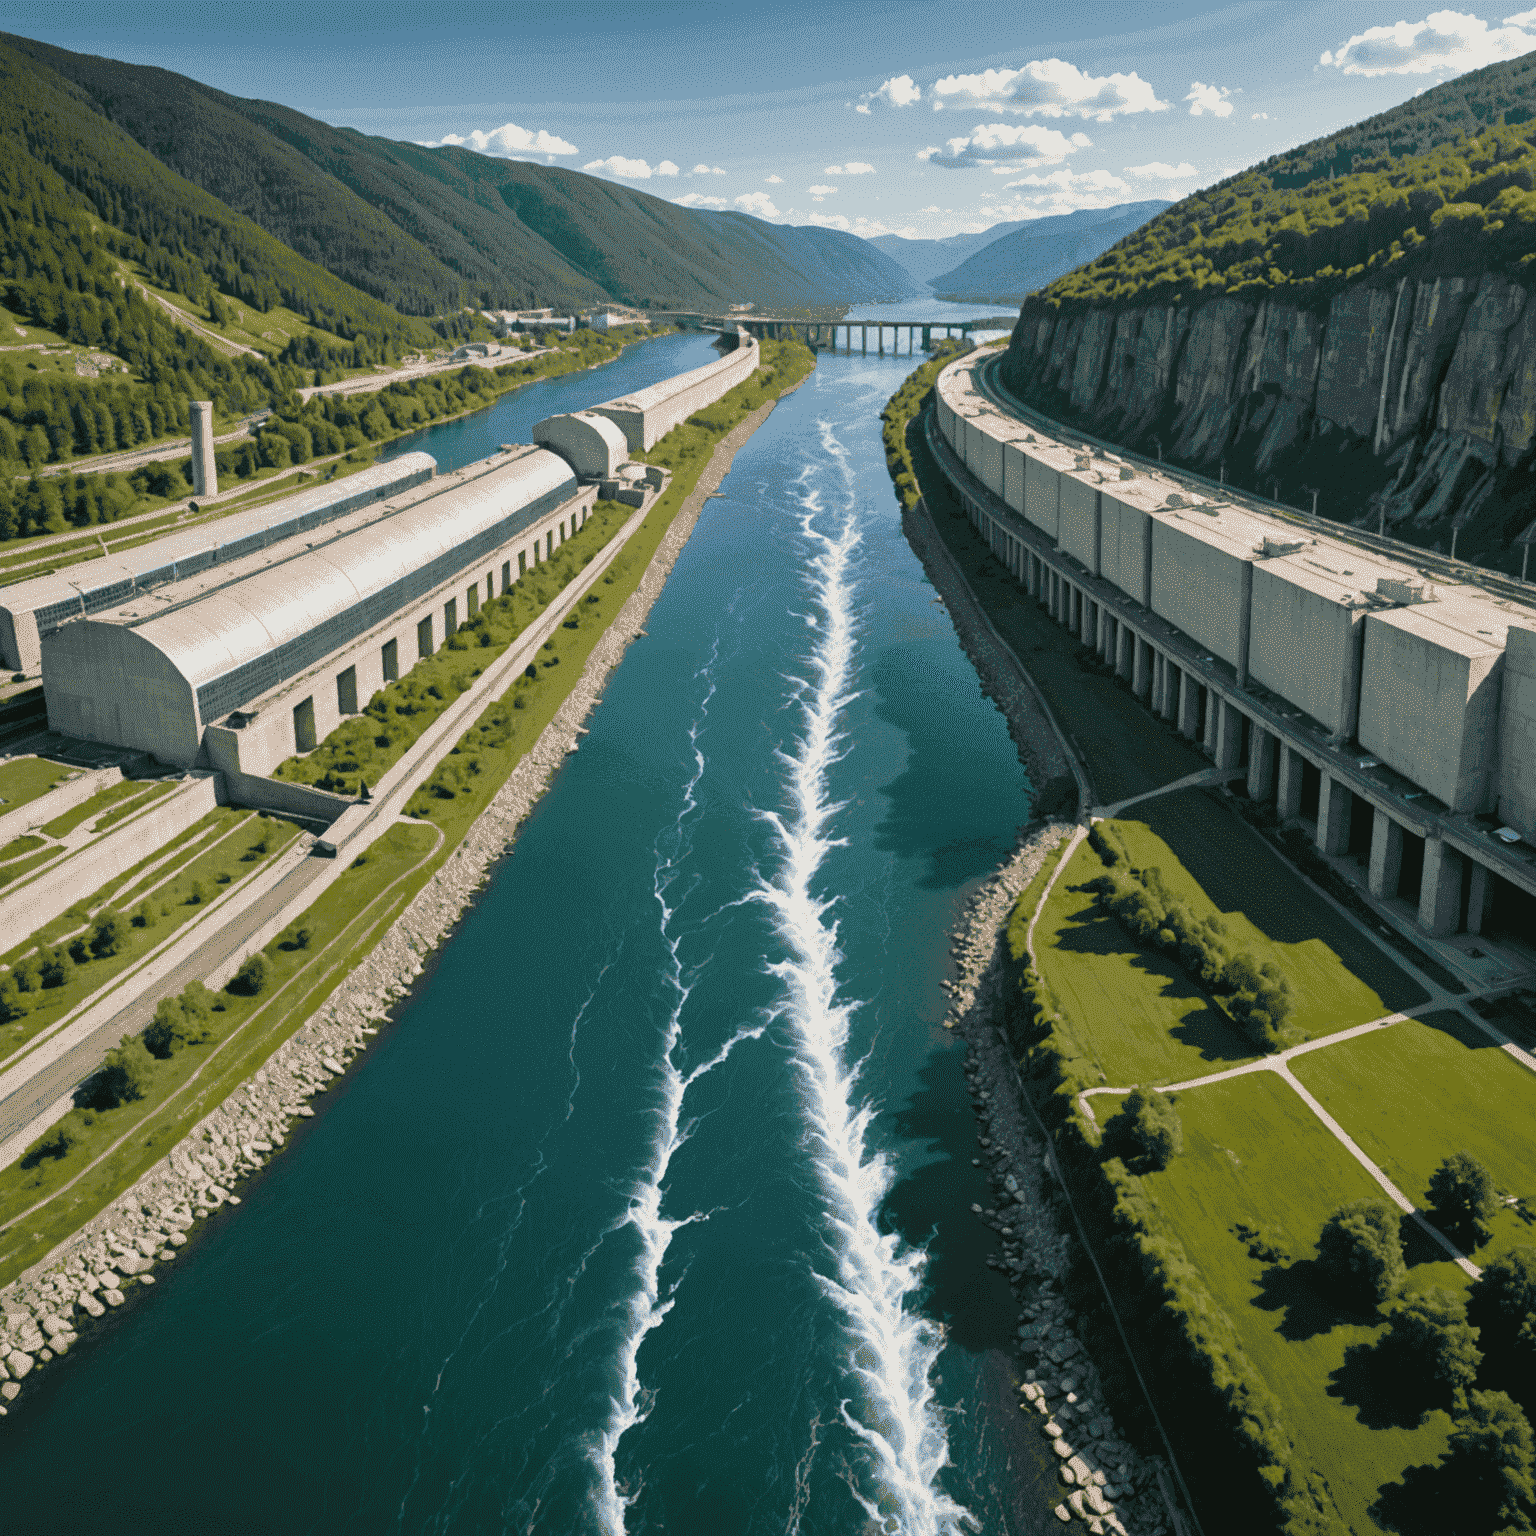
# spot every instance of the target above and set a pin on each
(1413, 1094)
(28, 779)
(1254, 1154)
(216, 851)
(1134, 1013)
(1209, 855)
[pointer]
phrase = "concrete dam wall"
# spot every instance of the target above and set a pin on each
(1359, 687)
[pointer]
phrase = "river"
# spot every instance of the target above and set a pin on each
(649, 1213)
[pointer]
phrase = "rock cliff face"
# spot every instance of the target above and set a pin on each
(1415, 400)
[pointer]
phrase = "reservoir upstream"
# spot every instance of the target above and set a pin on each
(650, 1212)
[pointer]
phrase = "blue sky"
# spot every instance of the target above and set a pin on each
(913, 116)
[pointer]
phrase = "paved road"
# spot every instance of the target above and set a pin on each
(60, 1077)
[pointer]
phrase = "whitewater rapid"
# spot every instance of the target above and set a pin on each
(892, 1350)
(646, 1307)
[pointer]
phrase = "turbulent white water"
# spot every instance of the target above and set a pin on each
(646, 1307)
(890, 1407)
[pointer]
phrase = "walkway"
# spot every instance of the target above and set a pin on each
(1206, 778)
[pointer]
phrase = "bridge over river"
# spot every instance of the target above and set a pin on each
(919, 333)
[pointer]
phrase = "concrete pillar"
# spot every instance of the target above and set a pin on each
(1477, 898)
(1288, 789)
(1212, 709)
(1229, 734)
(1088, 621)
(1334, 803)
(1440, 892)
(1261, 764)
(864, 339)
(205, 473)
(1125, 650)
(1141, 667)
(1386, 855)
(1189, 706)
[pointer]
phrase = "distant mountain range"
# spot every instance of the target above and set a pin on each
(927, 259)
(1024, 258)
(424, 231)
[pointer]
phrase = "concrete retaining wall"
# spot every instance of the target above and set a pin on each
(1356, 639)
(81, 874)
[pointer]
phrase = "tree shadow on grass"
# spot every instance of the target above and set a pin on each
(1205, 1029)
(1438, 1500)
(1296, 1290)
(1384, 1388)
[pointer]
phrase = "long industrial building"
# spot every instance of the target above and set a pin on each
(239, 644)
(1382, 697)
(31, 610)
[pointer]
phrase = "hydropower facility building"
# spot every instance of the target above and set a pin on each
(1381, 697)
(245, 640)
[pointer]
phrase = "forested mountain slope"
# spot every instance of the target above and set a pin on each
(430, 230)
(1355, 315)
(1026, 258)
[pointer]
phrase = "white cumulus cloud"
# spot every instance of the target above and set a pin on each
(509, 142)
(774, 181)
(1444, 40)
(1051, 88)
(898, 91)
(853, 168)
(1261, 117)
(820, 192)
(707, 170)
(866, 228)
(1208, 99)
(759, 203)
(1008, 145)
(699, 200)
(1072, 181)
(617, 165)
(1160, 170)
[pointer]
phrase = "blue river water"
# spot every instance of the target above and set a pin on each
(649, 1213)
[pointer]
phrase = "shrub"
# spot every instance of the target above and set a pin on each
(1149, 1128)
(108, 936)
(251, 977)
(11, 1006)
(1501, 1305)
(26, 972)
(1360, 1254)
(55, 1144)
(55, 967)
(122, 1077)
(179, 1021)
(144, 916)
(1431, 1339)
(1490, 1469)
(1462, 1198)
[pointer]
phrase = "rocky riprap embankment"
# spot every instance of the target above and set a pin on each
(45, 1310)
(1107, 1484)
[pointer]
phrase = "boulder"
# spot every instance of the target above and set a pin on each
(1080, 1470)
(1063, 1514)
(90, 1304)
(9, 1391)
(1095, 1500)
(132, 1266)
(1075, 1499)
(113, 1298)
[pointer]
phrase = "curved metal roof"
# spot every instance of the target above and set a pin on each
(240, 623)
(93, 585)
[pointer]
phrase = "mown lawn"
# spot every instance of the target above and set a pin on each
(1255, 1155)
(1415, 1093)
(1133, 1012)
(1210, 856)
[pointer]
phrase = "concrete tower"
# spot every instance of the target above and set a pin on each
(205, 475)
